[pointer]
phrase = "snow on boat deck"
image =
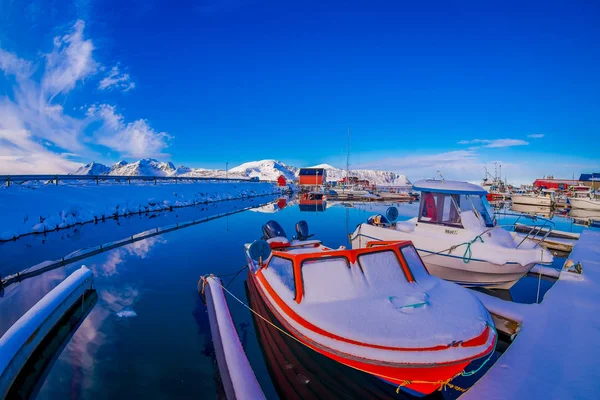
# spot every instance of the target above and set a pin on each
(556, 354)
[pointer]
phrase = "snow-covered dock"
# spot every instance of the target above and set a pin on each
(555, 355)
(23, 338)
(236, 373)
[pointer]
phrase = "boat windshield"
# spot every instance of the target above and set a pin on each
(446, 208)
(480, 206)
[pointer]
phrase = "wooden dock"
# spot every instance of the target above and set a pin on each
(555, 353)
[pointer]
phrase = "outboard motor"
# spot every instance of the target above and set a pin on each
(302, 230)
(272, 229)
(378, 220)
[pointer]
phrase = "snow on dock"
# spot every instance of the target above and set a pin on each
(555, 355)
(24, 336)
(236, 373)
(38, 208)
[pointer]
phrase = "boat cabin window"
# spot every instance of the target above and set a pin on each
(382, 269)
(414, 262)
(280, 274)
(327, 279)
(480, 207)
(440, 208)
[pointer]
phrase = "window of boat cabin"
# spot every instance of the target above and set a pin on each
(382, 269)
(479, 205)
(414, 262)
(328, 279)
(439, 208)
(280, 275)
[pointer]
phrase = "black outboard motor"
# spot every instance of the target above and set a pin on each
(272, 229)
(302, 230)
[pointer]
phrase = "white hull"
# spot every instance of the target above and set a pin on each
(532, 200)
(585, 204)
(480, 268)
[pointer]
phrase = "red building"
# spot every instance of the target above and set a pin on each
(311, 176)
(281, 181)
(551, 183)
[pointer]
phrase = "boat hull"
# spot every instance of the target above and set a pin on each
(456, 267)
(422, 379)
(585, 204)
(475, 273)
(532, 200)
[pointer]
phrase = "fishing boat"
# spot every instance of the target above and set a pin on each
(585, 203)
(545, 198)
(458, 237)
(375, 309)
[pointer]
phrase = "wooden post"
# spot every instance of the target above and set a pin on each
(129, 180)
(155, 180)
(8, 181)
(56, 179)
(96, 179)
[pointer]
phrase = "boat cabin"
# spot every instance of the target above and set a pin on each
(317, 272)
(453, 203)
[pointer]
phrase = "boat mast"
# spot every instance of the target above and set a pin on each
(347, 160)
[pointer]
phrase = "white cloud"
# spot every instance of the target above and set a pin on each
(13, 65)
(38, 136)
(116, 80)
(536, 136)
(69, 62)
(495, 143)
(134, 139)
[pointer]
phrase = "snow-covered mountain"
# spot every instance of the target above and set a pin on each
(263, 170)
(379, 178)
(143, 167)
(93, 168)
(266, 169)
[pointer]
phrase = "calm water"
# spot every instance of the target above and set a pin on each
(148, 333)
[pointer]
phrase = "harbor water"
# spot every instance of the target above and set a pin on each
(148, 334)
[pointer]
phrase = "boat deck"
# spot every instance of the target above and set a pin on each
(555, 353)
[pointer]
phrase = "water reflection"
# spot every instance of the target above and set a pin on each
(165, 349)
(33, 249)
(139, 249)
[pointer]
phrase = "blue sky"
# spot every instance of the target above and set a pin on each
(424, 86)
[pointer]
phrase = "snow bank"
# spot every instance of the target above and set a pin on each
(28, 209)
(555, 354)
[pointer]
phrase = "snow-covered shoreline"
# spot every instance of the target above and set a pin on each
(27, 209)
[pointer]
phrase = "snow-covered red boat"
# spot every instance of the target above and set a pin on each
(375, 309)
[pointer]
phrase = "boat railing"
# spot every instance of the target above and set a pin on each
(540, 225)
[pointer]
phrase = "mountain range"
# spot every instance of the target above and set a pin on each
(264, 170)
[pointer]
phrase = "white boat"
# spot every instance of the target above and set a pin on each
(542, 211)
(352, 191)
(457, 237)
(585, 203)
(545, 198)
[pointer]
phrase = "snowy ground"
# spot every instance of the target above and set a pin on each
(40, 208)
(555, 356)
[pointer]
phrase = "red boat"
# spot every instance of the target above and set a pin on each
(493, 196)
(375, 309)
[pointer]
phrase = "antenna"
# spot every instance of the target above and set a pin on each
(440, 174)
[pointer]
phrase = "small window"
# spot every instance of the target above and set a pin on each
(329, 279)
(280, 274)
(382, 269)
(414, 262)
